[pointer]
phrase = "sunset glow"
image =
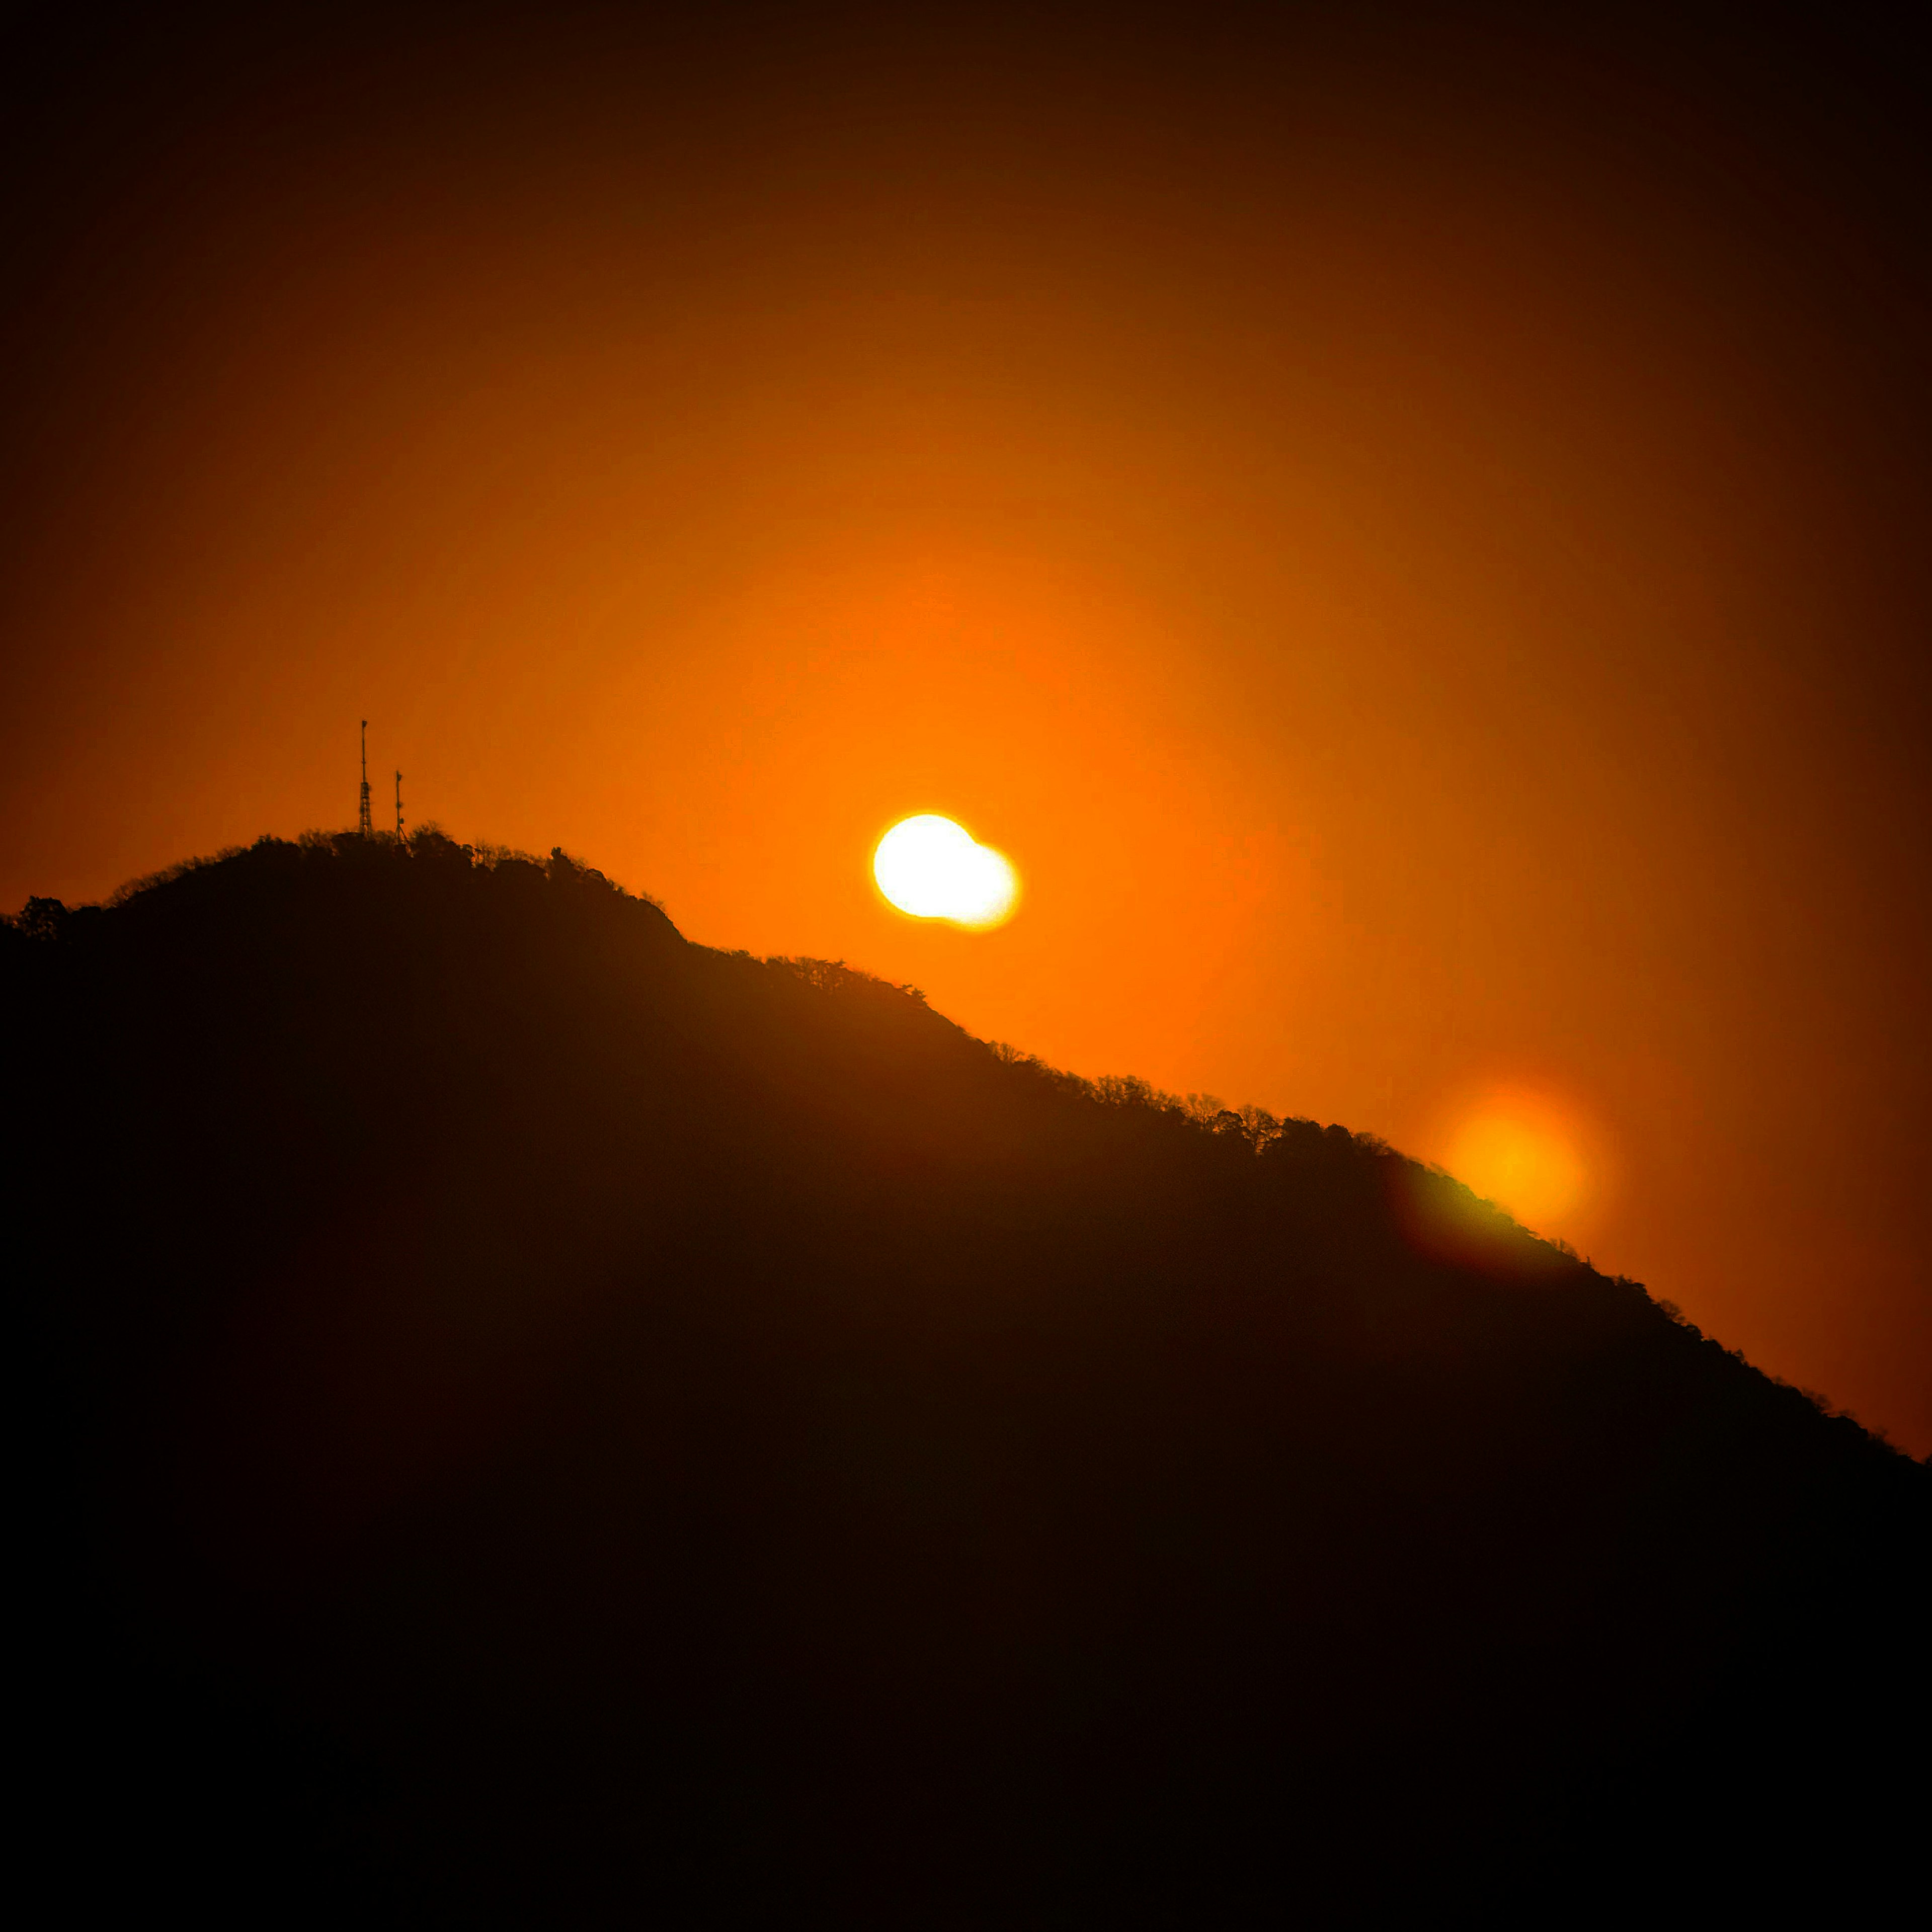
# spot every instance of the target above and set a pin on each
(969, 963)
(1423, 584)
(932, 868)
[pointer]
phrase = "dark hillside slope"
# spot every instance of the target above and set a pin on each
(533, 1418)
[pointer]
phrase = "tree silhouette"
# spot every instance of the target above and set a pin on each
(530, 1417)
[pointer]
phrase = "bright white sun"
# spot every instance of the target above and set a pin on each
(932, 868)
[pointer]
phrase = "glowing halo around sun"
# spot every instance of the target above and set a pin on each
(931, 868)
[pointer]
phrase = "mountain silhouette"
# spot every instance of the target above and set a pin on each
(529, 1419)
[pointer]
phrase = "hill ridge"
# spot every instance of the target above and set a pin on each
(597, 1416)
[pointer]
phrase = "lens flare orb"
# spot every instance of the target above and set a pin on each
(1520, 1157)
(931, 867)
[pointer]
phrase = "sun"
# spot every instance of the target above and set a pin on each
(931, 868)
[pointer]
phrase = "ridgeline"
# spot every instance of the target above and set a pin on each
(532, 1420)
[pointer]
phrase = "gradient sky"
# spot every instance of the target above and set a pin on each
(1407, 525)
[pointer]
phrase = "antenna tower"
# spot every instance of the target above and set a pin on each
(363, 826)
(399, 805)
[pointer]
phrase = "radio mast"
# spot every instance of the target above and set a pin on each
(364, 825)
(399, 805)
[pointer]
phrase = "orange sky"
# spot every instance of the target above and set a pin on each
(1413, 546)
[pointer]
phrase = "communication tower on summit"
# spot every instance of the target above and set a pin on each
(363, 826)
(399, 804)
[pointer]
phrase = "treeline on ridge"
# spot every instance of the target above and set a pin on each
(534, 1417)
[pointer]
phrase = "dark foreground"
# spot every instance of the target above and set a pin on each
(531, 1419)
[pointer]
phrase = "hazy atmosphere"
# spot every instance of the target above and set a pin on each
(1408, 532)
(968, 963)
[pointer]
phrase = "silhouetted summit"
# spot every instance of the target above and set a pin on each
(534, 1418)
